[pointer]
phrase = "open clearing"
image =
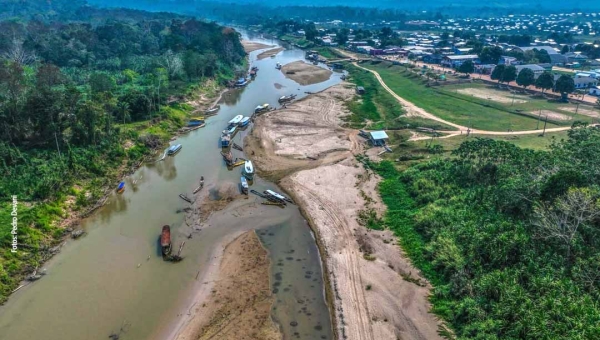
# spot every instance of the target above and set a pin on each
(584, 110)
(304, 73)
(494, 95)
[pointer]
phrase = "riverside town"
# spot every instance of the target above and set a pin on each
(299, 170)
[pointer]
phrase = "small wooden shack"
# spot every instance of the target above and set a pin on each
(378, 138)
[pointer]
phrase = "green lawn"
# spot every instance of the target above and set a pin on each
(453, 106)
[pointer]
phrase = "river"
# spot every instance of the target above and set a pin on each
(114, 279)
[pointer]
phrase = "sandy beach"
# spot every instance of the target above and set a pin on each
(268, 53)
(251, 46)
(376, 293)
(304, 73)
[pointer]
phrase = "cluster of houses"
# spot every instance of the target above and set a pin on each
(425, 47)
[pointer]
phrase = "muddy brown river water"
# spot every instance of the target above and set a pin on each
(113, 279)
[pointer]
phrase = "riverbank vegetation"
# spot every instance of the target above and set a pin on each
(83, 102)
(508, 236)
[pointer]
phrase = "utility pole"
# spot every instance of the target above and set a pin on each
(545, 121)
(576, 109)
(538, 122)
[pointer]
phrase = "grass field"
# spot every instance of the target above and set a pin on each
(377, 109)
(448, 103)
(328, 53)
(410, 152)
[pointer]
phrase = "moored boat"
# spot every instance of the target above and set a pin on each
(278, 66)
(245, 121)
(232, 129)
(174, 149)
(244, 185)
(195, 123)
(236, 120)
(121, 187)
(165, 240)
(275, 194)
(225, 140)
(242, 82)
(261, 108)
(248, 169)
(213, 109)
(284, 99)
(228, 157)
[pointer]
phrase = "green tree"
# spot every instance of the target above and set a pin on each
(564, 85)
(490, 55)
(509, 74)
(526, 78)
(545, 81)
(101, 82)
(467, 67)
(497, 73)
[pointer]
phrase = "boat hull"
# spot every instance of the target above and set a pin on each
(165, 240)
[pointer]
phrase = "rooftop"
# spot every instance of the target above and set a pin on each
(379, 135)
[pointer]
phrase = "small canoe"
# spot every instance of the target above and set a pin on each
(213, 109)
(275, 194)
(121, 187)
(174, 149)
(165, 240)
(195, 123)
(244, 185)
(245, 121)
(236, 120)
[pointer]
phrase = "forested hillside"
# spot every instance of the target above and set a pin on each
(509, 237)
(73, 96)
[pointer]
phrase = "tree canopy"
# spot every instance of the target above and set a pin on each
(545, 81)
(526, 77)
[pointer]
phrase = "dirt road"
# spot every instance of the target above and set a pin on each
(373, 285)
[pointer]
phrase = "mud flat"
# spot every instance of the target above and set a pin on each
(267, 54)
(304, 73)
(251, 46)
(302, 136)
(374, 291)
(239, 304)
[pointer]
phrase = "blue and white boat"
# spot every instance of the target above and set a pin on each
(261, 108)
(225, 139)
(236, 120)
(244, 185)
(242, 82)
(232, 129)
(195, 123)
(174, 149)
(245, 121)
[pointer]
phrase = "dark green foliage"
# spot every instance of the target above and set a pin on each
(545, 81)
(509, 74)
(564, 85)
(492, 228)
(467, 67)
(526, 77)
(497, 73)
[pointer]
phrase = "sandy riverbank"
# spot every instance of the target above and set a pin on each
(251, 46)
(375, 291)
(239, 303)
(267, 54)
(304, 73)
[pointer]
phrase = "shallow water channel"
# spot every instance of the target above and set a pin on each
(113, 279)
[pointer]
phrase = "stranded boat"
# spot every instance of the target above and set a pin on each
(245, 121)
(261, 108)
(195, 122)
(174, 149)
(165, 240)
(225, 139)
(213, 110)
(236, 120)
(244, 185)
(248, 171)
(121, 187)
(242, 82)
(284, 99)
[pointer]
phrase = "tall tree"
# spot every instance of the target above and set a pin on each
(497, 73)
(526, 77)
(467, 67)
(490, 55)
(545, 81)
(509, 74)
(564, 85)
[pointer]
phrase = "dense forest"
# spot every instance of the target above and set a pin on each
(74, 99)
(508, 236)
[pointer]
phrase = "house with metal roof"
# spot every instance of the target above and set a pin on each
(378, 138)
